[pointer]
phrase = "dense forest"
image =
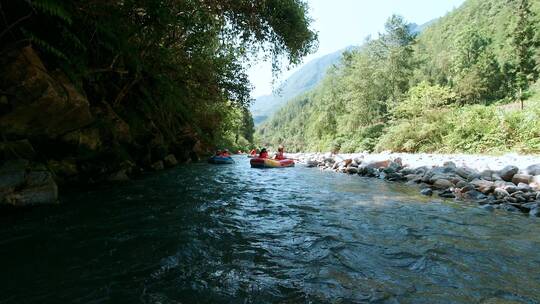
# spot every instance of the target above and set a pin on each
(466, 83)
(90, 88)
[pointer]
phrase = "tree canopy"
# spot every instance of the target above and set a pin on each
(181, 56)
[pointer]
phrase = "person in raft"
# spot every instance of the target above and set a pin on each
(263, 154)
(225, 153)
(218, 153)
(280, 153)
(253, 152)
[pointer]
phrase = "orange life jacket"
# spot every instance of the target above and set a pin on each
(280, 156)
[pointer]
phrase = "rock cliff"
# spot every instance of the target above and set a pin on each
(51, 133)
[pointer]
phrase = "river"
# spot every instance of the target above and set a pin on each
(203, 234)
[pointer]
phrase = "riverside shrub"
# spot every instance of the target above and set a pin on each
(471, 129)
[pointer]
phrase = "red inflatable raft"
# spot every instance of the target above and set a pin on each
(271, 163)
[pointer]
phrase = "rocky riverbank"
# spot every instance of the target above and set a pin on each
(510, 182)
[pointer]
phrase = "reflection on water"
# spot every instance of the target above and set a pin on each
(232, 234)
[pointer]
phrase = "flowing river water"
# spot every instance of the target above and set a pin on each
(204, 234)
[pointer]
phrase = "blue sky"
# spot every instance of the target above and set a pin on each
(341, 23)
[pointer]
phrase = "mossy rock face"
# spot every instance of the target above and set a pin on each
(44, 105)
(46, 194)
(22, 184)
(4, 105)
(64, 170)
(23, 76)
(87, 139)
(44, 117)
(112, 126)
(17, 149)
(12, 174)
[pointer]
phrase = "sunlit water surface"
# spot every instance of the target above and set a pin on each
(201, 233)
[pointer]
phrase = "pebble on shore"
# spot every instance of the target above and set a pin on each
(490, 181)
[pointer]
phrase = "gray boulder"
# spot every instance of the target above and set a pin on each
(413, 177)
(461, 184)
(521, 178)
(119, 176)
(170, 160)
(39, 178)
(352, 170)
(447, 194)
(474, 195)
(450, 166)
(393, 167)
(508, 172)
(467, 188)
(426, 191)
(496, 177)
(421, 170)
(442, 184)
(12, 174)
(483, 185)
(511, 200)
(358, 161)
(467, 173)
(312, 163)
(158, 166)
(508, 207)
(46, 194)
(529, 206)
(533, 169)
(487, 175)
(511, 189)
(488, 207)
(329, 160)
(500, 193)
(523, 187)
(395, 177)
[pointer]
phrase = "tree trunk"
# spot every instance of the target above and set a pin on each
(521, 98)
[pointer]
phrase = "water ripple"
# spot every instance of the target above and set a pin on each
(207, 234)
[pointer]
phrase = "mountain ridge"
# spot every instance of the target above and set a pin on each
(306, 78)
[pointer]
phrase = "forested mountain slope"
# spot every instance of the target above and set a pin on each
(303, 80)
(442, 90)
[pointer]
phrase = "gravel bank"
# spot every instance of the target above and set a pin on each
(510, 182)
(477, 162)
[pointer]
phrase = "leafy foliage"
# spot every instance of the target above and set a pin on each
(174, 63)
(445, 90)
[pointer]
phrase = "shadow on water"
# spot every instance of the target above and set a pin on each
(233, 234)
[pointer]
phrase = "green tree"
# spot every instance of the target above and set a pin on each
(470, 45)
(422, 98)
(395, 49)
(476, 74)
(524, 43)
